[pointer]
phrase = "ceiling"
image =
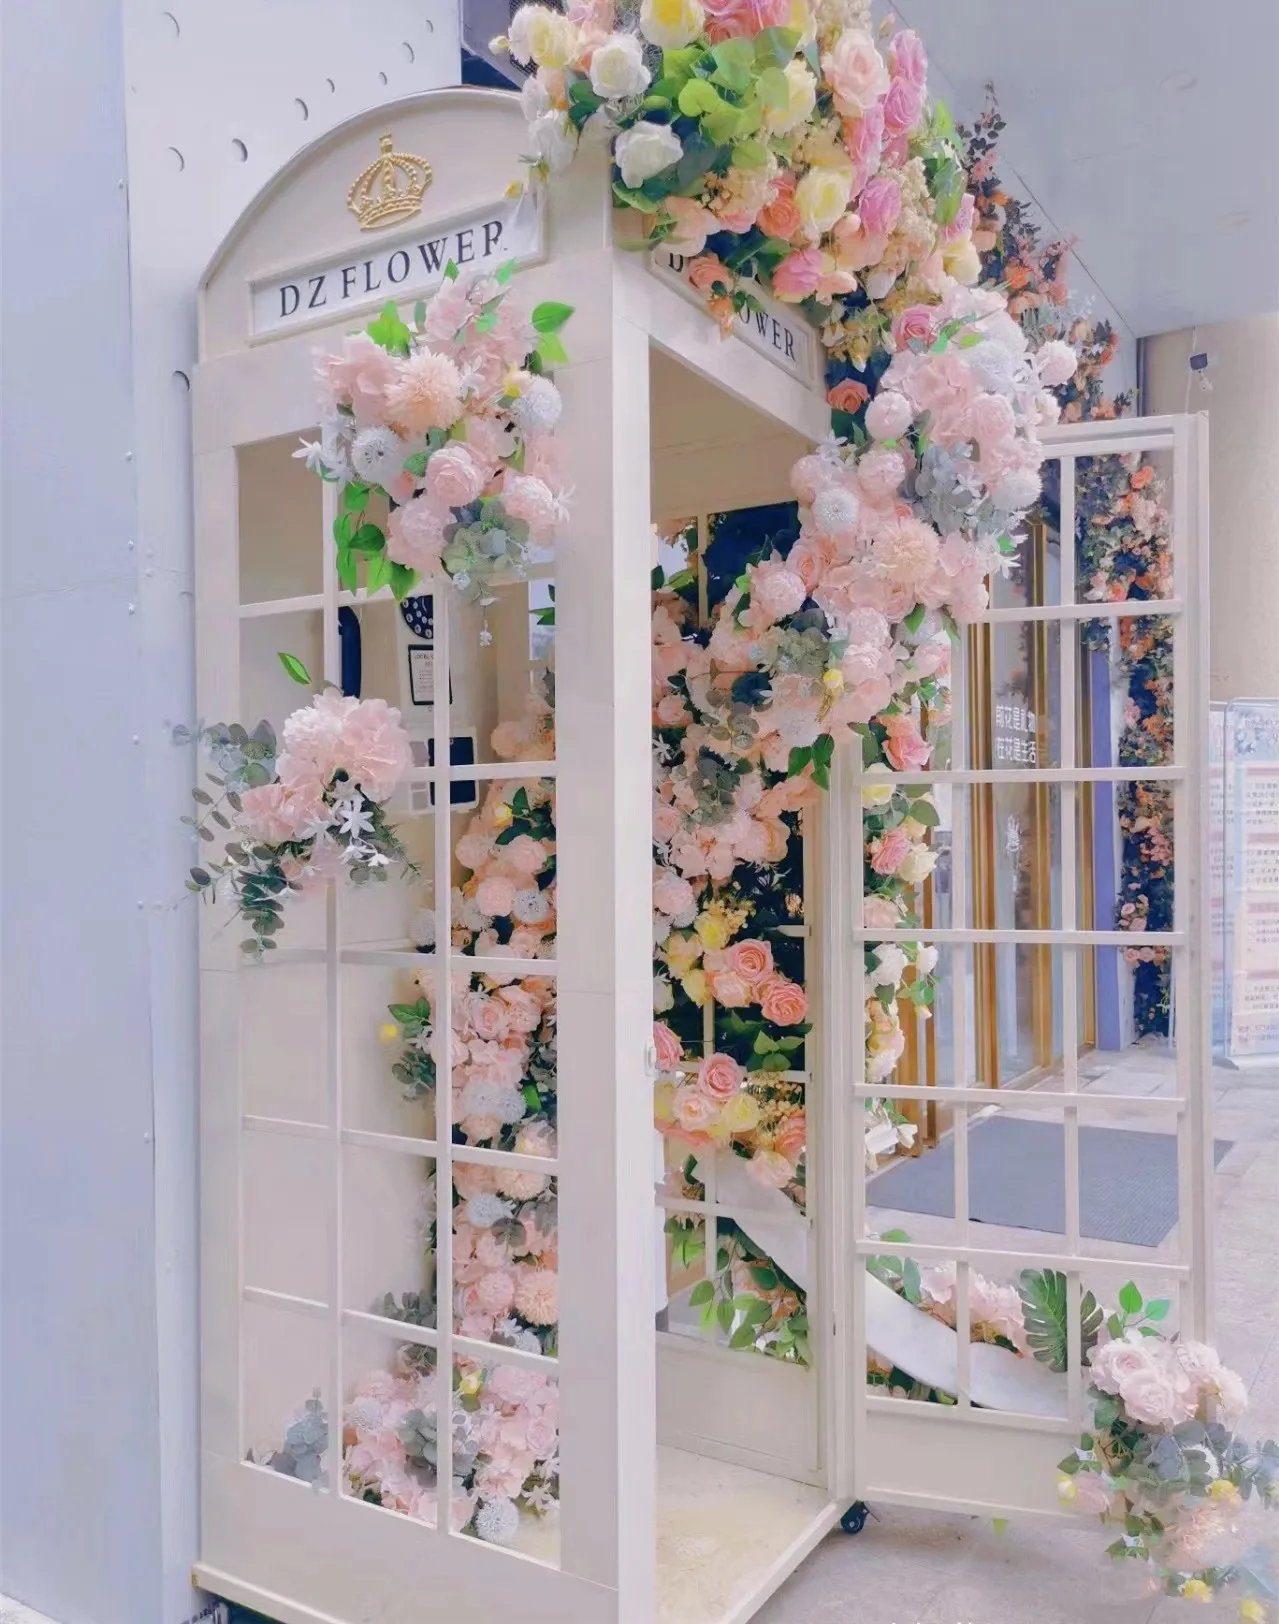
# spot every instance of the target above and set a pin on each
(1146, 129)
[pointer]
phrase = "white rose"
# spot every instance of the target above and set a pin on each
(917, 865)
(663, 995)
(672, 23)
(617, 68)
(1055, 363)
(541, 35)
(645, 150)
(926, 960)
(890, 965)
(554, 141)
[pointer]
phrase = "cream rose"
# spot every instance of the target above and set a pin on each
(617, 68)
(821, 197)
(917, 865)
(801, 87)
(541, 35)
(877, 787)
(671, 23)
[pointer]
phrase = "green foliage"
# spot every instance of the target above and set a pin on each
(295, 669)
(389, 331)
(1045, 1305)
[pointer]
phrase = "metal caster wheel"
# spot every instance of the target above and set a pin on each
(854, 1519)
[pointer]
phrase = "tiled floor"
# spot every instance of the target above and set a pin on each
(911, 1567)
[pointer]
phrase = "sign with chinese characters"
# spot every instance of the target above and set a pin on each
(405, 268)
(1016, 738)
(780, 333)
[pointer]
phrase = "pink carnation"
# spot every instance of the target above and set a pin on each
(453, 477)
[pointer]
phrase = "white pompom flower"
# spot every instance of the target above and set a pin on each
(497, 1521)
(537, 407)
(377, 454)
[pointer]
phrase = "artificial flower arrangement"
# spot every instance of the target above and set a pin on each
(309, 814)
(441, 437)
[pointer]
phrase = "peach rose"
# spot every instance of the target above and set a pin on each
(782, 1001)
(667, 1047)
(719, 1077)
(751, 959)
(889, 851)
(848, 395)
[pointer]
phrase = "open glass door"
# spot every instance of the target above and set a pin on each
(1034, 1204)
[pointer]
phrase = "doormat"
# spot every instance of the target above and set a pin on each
(1017, 1179)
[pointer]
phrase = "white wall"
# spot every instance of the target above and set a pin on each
(99, 1356)
(1243, 451)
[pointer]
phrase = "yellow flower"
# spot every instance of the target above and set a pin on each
(682, 952)
(1067, 1489)
(713, 929)
(471, 1382)
(740, 1114)
(960, 260)
(833, 680)
(1196, 1590)
(1252, 1611)
(1224, 1491)
(821, 198)
(502, 815)
(694, 985)
(388, 1032)
(671, 23)
(664, 1102)
(913, 828)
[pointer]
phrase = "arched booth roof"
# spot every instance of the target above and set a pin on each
(310, 252)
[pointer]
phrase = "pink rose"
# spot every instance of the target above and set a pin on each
(667, 1047)
(453, 477)
(880, 205)
(491, 1019)
(751, 959)
(706, 270)
(904, 747)
(693, 224)
(792, 1137)
(279, 812)
(889, 851)
(495, 895)
(771, 1168)
(903, 106)
(907, 57)
(673, 895)
(855, 72)
(695, 1112)
(864, 141)
(740, 19)
(782, 1001)
(776, 591)
(798, 275)
(916, 324)
(720, 1077)
(728, 989)
(879, 913)
(541, 1435)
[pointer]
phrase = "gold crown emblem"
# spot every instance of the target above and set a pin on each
(390, 189)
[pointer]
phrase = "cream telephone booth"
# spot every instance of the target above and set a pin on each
(689, 1477)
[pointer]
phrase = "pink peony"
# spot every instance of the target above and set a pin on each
(673, 895)
(415, 535)
(740, 19)
(279, 812)
(495, 895)
(533, 501)
(880, 205)
(720, 1077)
(335, 732)
(889, 415)
(776, 591)
(889, 851)
(359, 376)
(782, 1001)
(798, 275)
(453, 476)
(879, 473)
(855, 72)
(426, 393)
(667, 1047)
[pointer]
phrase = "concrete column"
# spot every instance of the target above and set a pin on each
(1243, 438)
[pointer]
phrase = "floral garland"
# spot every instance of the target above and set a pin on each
(306, 816)
(1125, 551)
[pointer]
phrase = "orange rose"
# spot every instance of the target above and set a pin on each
(848, 396)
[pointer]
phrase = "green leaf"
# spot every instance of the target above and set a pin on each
(734, 64)
(368, 539)
(348, 575)
(775, 46)
(750, 154)
(799, 759)
(915, 619)
(1130, 1298)
(743, 1337)
(504, 272)
(925, 812)
(551, 352)
(450, 271)
(355, 496)
(698, 98)
(895, 1236)
(201, 876)
(678, 65)
(550, 316)
(773, 88)
(701, 1293)
(1158, 1309)
(295, 669)
(419, 314)
(403, 580)
(377, 573)
(389, 331)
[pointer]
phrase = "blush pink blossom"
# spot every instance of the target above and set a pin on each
(880, 205)
(889, 851)
(879, 913)
(905, 748)
(917, 324)
(855, 72)
(741, 19)
(720, 1077)
(751, 958)
(880, 472)
(359, 376)
(779, 217)
(667, 1047)
(776, 591)
(694, 1111)
(693, 224)
(673, 895)
(537, 1296)
(782, 1001)
(415, 535)
(903, 107)
(864, 140)
(453, 477)
(277, 812)
(728, 989)
(798, 275)
(495, 895)
(907, 57)
(533, 501)
(771, 1169)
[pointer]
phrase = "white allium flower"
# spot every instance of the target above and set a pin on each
(645, 150)
(422, 928)
(536, 409)
(835, 511)
(617, 68)
(530, 906)
(1017, 490)
(497, 1521)
(377, 454)
(485, 1210)
(511, 1106)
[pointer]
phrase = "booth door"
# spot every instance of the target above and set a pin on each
(1035, 1207)
(417, 1289)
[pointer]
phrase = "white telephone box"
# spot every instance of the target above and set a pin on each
(689, 1477)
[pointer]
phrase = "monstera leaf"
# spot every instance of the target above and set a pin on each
(1044, 1303)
